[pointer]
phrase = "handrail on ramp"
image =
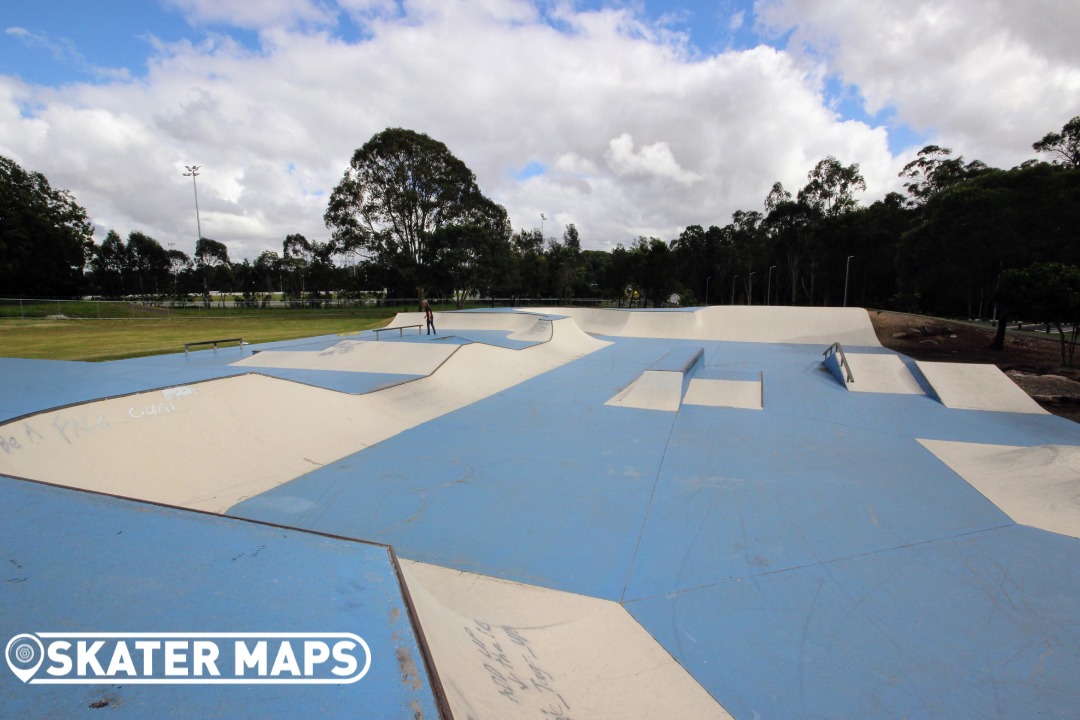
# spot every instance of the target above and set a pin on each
(400, 329)
(839, 350)
(190, 345)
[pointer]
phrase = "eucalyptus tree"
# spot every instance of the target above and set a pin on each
(209, 255)
(933, 170)
(831, 187)
(1063, 147)
(1046, 292)
(268, 267)
(44, 235)
(148, 264)
(789, 223)
(109, 265)
(400, 189)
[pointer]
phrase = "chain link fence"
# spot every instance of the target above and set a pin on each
(43, 309)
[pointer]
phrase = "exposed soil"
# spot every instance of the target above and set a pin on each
(1033, 362)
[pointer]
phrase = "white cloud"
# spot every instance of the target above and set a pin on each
(655, 160)
(637, 135)
(988, 77)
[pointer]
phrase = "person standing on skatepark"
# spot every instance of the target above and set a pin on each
(430, 317)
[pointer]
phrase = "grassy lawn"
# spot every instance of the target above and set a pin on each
(99, 340)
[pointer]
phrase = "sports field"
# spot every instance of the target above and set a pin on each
(100, 340)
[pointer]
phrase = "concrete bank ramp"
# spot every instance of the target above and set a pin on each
(969, 386)
(519, 324)
(508, 651)
(879, 373)
(1037, 486)
(411, 358)
(732, 323)
(661, 387)
(680, 378)
(211, 445)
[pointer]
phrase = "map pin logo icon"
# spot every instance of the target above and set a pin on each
(24, 654)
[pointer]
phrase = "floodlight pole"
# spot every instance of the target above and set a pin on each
(172, 267)
(193, 171)
(707, 289)
(750, 289)
(768, 292)
(847, 270)
(542, 219)
(733, 281)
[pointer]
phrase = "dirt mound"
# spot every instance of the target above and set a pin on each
(1033, 363)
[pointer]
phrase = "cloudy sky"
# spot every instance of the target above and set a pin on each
(625, 118)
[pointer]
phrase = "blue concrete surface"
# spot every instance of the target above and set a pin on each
(807, 560)
(977, 626)
(666, 511)
(79, 562)
(36, 385)
(562, 471)
(819, 473)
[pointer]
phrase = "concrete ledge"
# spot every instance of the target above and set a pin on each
(663, 385)
(680, 360)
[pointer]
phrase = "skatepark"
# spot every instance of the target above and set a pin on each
(747, 512)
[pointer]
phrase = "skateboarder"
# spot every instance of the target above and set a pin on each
(430, 317)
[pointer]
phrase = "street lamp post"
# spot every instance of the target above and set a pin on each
(707, 289)
(750, 289)
(193, 172)
(768, 292)
(733, 280)
(542, 219)
(172, 267)
(847, 269)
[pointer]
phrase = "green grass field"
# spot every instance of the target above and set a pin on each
(99, 340)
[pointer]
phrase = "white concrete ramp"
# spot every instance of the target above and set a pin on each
(511, 651)
(210, 445)
(880, 373)
(404, 358)
(512, 320)
(1036, 486)
(661, 387)
(652, 390)
(722, 392)
(969, 386)
(732, 323)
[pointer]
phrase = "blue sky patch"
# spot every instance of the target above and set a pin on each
(531, 170)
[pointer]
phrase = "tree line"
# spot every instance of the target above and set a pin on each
(408, 219)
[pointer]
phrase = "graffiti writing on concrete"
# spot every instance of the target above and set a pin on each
(340, 348)
(25, 435)
(515, 669)
(70, 426)
(164, 408)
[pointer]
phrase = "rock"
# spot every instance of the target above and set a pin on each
(933, 330)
